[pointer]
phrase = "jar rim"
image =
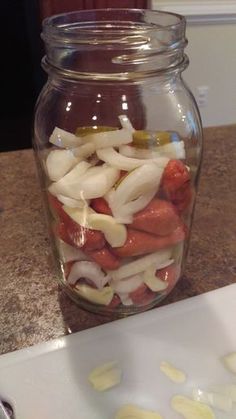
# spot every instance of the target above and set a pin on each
(77, 25)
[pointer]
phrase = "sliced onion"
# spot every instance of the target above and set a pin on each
(115, 233)
(64, 139)
(87, 270)
(69, 253)
(141, 264)
(73, 203)
(84, 150)
(102, 297)
(125, 299)
(127, 285)
(79, 215)
(174, 150)
(86, 182)
(127, 210)
(151, 280)
(125, 123)
(115, 159)
(97, 184)
(140, 181)
(59, 162)
(110, 138)
(216, 400)
(153, 283)
(67, 185)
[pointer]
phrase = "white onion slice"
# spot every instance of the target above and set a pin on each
(64, 139)
(127, 210)
(125, 123)
(229, 362)
(84, 150)
(127, 285)
(88, 270)
(125, 299)
(115, 159)
(110, 138)
(73, 203)
(151, 280)
(140, 181)
(79, 215)
(59, 162)
(102, 297)
(67, 185)
(86, 182)
(95, 185)
(216, 400)
(174, 150)
(153, 283)
(69, 253)
(141, 264)
(115, 233)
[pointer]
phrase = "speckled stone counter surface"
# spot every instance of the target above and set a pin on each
(32, 307)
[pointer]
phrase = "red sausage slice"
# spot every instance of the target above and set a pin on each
(73, 233)
(140, 243)
(159, 217)
(105, 258)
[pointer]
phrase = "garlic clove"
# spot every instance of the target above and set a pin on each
(105, 376)
(175, 374)
(134, 412)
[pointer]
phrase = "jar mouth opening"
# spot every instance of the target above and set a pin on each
(99, 24)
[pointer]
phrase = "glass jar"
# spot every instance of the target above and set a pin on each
(118, 142)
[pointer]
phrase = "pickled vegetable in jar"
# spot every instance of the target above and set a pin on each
(117, 139)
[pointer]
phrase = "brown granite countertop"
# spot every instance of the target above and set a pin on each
(32, 307)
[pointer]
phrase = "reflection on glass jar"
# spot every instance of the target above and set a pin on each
(118, 142)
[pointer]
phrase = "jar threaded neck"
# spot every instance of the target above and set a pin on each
(114, 43)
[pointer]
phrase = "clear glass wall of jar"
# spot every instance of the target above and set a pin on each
(118, 143)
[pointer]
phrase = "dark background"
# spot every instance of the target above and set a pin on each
(21, 51)
(21, 74)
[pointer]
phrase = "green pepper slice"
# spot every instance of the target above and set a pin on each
(148, 139)
(83, 131)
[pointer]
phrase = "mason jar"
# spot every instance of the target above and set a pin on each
(118, 141)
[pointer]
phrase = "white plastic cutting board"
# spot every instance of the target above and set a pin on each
(49, 381)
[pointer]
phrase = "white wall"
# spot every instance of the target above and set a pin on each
(212, 54)
(211, 32)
